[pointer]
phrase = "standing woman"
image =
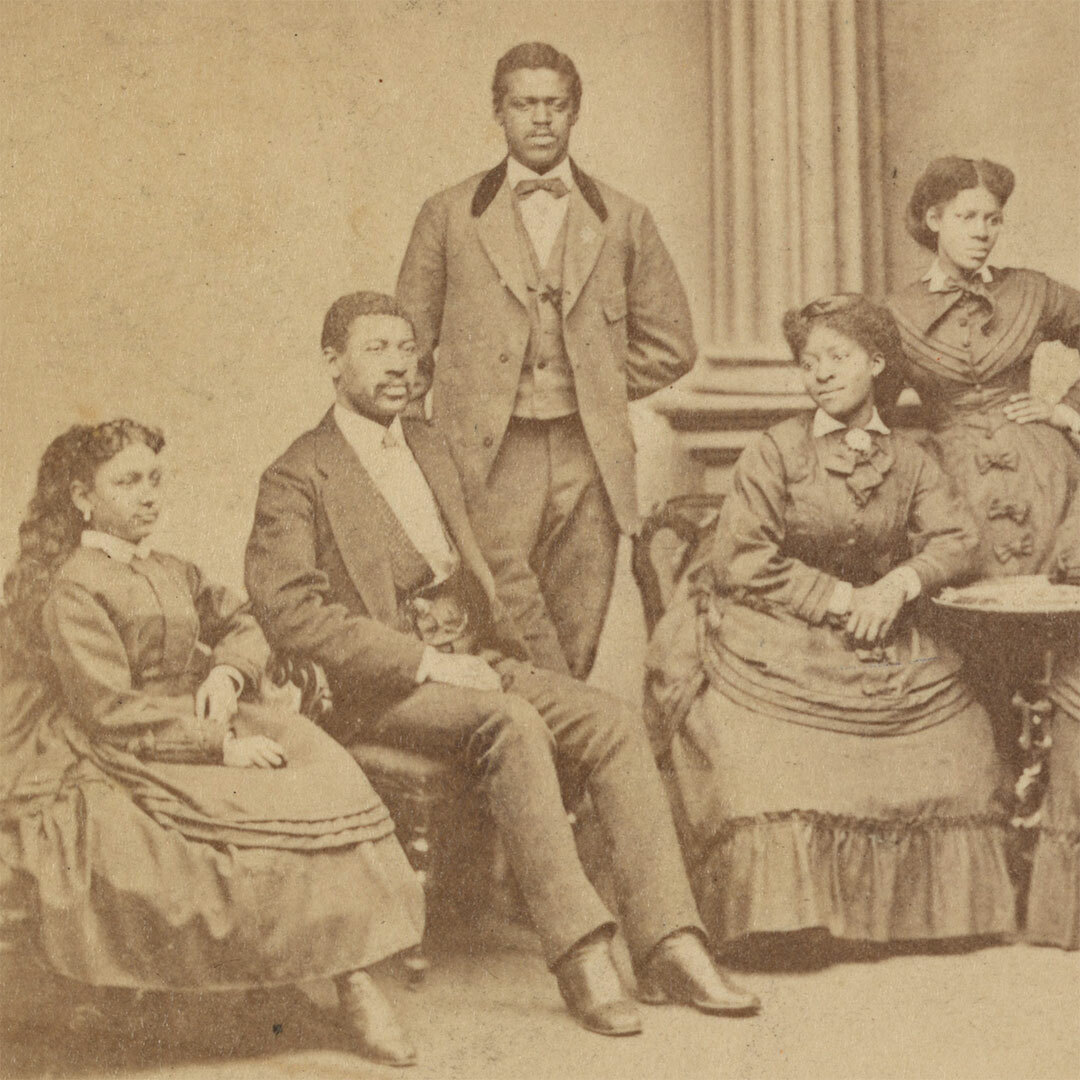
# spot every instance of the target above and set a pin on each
(969, 332)
(180, 835)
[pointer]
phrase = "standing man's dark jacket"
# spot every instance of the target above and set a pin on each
(627, 324)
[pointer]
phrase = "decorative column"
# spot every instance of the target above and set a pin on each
(796, 128)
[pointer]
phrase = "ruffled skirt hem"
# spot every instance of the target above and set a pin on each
(860, 879)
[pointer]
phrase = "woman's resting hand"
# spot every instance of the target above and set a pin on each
(874, 609)
(1025, 409)
(252, 751)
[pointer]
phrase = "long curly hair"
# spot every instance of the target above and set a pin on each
(52, 526)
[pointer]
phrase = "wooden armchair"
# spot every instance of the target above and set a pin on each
(668, 541)
(439, 813)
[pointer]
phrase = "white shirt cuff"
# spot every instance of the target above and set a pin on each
(1072, 417)
(430, 657)
(911, 581)
(840, 601)
(234, 674)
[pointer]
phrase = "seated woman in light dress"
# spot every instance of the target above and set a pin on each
(828, 769)
(179, 835)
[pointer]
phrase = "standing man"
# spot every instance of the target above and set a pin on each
(551, 303)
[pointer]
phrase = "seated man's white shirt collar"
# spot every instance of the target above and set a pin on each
(386, 457)
(824, 424)
(116, 547)
(367, 437)
(939, 281)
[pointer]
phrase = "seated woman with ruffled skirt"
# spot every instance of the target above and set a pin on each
(827, 767)
(179, 833)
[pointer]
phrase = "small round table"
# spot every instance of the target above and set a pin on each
(1040, 618)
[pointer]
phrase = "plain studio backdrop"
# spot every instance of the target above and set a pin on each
(187, 186)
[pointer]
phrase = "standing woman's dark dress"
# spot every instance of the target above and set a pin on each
(155, 865)
(967, 350)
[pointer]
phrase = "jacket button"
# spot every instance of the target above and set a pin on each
(488, 441)
(504, 359)
(541, 364)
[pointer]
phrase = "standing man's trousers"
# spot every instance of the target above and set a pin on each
(549, 534)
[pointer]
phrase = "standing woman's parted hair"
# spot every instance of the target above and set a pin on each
(52, 526)
(942, 180)
(871, 326)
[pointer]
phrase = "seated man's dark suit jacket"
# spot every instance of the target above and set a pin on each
(321, 583)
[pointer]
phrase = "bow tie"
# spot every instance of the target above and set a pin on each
(863, 470)
(985, 460)
(974, 287)
(1017, 550)
(552, 184)
(1002, 508)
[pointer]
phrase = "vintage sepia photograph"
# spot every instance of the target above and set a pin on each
(540, 539)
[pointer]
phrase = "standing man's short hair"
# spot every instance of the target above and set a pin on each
(534, 55)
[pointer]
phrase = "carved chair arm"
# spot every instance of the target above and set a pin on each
(689, 517)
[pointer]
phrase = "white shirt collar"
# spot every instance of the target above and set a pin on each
(515, 171)
(116, 547)
(824, 424)
(367, 437)
(939, 280)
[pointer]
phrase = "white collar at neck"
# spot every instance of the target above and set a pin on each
(939, 281)
(824, 424)
(116, 547)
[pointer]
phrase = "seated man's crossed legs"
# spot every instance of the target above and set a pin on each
(519, 742)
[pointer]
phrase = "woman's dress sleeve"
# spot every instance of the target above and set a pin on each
(1061, 322)
(748, 556)
(227, 626)
(941, 531)
(95, 673)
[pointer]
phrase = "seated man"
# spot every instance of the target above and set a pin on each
(362, 559)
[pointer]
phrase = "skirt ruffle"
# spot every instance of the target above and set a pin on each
(122, 901)
(872, 838)
(866, 880)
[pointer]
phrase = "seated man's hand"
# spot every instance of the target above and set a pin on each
(252, 751)
(874, 609)
(215, 699)
(460, 669)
